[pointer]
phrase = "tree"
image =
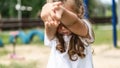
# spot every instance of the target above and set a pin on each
(91, 7)
(8, 10)
(97, 9)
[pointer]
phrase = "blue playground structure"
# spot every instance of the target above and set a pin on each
(1, 43)
(21, 35)
(114, 22)
(33, 33)
(27, 38)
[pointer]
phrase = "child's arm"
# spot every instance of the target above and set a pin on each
(49, 18)
(70, 20)
(50, 29)
(73, 22)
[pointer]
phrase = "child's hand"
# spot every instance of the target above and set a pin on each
(52, 24)
(45, 11)
(58, 11)
(50, 12)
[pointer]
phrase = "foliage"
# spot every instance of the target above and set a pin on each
(36, 5)
(91, 6)
(98, 9)
(8, 10)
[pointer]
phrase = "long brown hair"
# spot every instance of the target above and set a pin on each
(76, 47)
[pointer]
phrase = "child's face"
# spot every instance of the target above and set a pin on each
(63, 30)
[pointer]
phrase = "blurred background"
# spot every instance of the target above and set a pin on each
(22, 33)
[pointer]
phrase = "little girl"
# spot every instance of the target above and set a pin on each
(68, 34)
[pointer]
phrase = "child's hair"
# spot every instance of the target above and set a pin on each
(76, 47)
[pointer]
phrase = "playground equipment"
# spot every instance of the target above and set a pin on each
(20, 35)
(27, 38)
(14, 36)
(1, 43)
(38, 33)
(86, 10)
(114, 23)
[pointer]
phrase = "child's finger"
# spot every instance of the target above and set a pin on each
(53, 15)
(50, 18)
(57, 23)
(57, 3)
(47, 23)
(56, 7)
(56, 13)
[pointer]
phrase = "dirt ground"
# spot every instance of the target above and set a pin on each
(104, 56)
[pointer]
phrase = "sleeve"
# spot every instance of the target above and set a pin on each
(90, 38)
(48, 42)
(89, 59)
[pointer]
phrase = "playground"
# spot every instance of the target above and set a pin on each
(22, 39)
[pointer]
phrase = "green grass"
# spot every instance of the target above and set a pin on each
(104, 36)
(4, 36)
(3, 51)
